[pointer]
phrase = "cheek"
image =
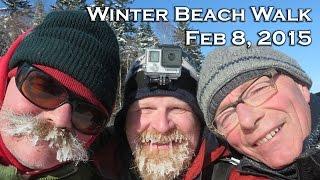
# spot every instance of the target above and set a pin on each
(235, 140)
(135, 124)
(4, 136)
(297, 106)
(238, 142)
(186, 122)
(279, 102)
(16, 102)
(297, 109)
(188, 125)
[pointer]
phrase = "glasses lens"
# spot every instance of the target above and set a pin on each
(87, 119)
(259, 92)
(43, 91)
(226, 120)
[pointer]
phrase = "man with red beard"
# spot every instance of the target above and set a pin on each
(57, 90)
(159, 133)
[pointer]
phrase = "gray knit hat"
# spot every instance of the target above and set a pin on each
(226, 68)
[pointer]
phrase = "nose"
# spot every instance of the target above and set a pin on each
(60, 116)
(161, 122)
(248, 116)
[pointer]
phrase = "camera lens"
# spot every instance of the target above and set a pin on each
(171, 56)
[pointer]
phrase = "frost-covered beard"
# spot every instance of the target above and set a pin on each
(67, 145)
(153, 163)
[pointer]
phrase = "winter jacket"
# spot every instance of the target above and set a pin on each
(10, 167)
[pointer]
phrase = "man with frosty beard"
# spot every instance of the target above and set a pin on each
(57, 89)
(159, 133)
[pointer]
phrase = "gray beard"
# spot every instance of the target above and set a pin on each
(162, 164)
(68, 147)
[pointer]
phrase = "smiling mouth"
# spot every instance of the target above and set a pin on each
(163, 140)
(269, 136)
(158, 139)
(162, 144)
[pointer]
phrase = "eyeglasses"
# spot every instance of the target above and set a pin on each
(257, 93)
(47, 93)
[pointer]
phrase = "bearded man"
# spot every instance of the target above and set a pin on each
(57, 89)
(159, 133)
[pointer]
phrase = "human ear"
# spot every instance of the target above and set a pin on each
(304, 91)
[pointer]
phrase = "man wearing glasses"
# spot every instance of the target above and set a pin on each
(57, 90)
(258, 100)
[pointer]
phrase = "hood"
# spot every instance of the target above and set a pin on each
(4, 65)
(6, 157)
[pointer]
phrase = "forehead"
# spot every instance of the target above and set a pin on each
(159, 101)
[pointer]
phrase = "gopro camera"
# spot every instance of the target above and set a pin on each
(163, 64)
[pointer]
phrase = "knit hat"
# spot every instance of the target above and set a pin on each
(226, 68)
(138, 86)
(69, 42)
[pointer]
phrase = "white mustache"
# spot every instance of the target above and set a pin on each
(158, 164)
(69, 148)
(150, 137)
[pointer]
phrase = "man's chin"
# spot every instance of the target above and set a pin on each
(277, 159)
(38, 165)
(279, 162)
(38, 162)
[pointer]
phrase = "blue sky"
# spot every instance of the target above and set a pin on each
(306, 56)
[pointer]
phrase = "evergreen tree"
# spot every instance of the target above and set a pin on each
(15, 5)
(15, 18)
(128, 49)
(145, 37)
(193, 50)
(126, 33)
(69, 5)
(99, 3)
(39, 13)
